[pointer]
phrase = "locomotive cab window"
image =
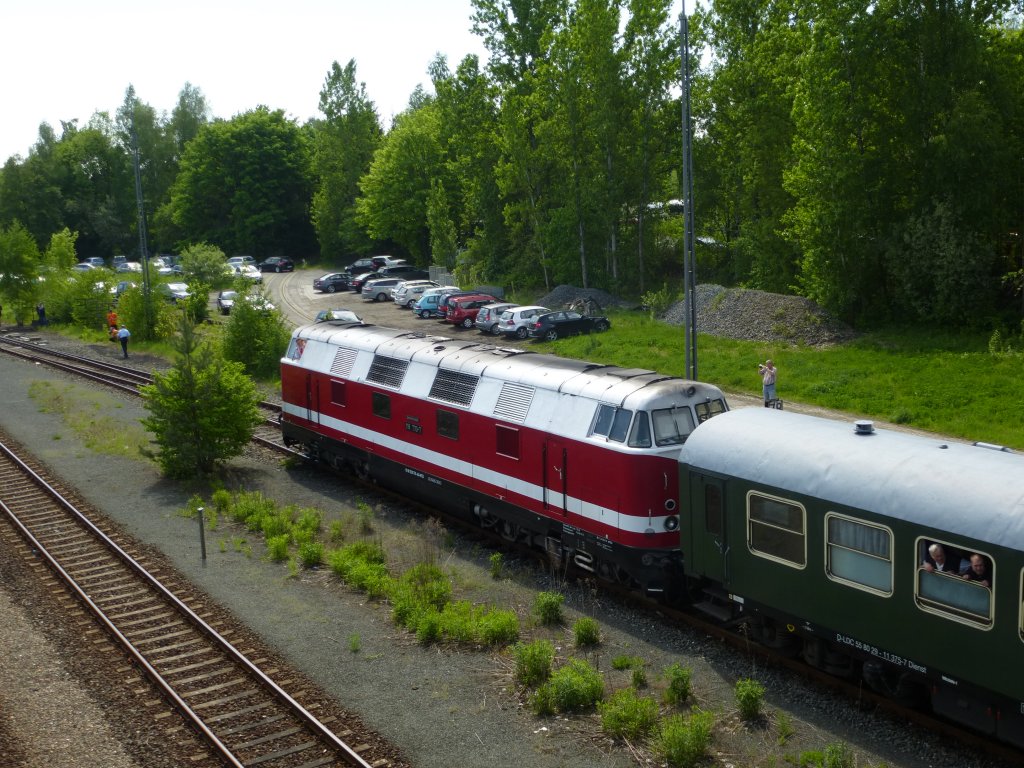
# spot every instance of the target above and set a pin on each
(777, 529)
(955, 581)
(859, 554)
(640, 434)
(706, 410)
(448, 424)
(381, 405)
(338, 392)
(672, 425)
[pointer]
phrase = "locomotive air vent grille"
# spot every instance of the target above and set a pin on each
(387, 371)
(514, 402)
(344, 359)
(454, 387)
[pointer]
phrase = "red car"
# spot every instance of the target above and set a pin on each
(464, 309)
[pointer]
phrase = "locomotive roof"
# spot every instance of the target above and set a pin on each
(970, 490)
(605, 383)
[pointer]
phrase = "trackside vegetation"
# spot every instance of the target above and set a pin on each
(655, 720)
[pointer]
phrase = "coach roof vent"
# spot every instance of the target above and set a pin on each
(864, 427)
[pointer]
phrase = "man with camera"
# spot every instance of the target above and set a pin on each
(768, 372)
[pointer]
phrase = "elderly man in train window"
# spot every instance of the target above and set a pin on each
(939, 560)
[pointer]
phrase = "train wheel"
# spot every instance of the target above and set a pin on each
(894, 684)
(362, 470)
(509, 531)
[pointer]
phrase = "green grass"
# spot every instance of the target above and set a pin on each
(937, 381)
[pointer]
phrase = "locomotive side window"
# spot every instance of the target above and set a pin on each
(508, 441)
(640, 435)
(713, 510)
(603, 421)
(957, 593)
(381, 405)
(448, 424)
(776, 529)
(338, 392)
(858, 553)
(672, 425)
(706, 410)
(620, 425)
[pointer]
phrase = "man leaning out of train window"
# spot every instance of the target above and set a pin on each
(937, 559)
(978, 571)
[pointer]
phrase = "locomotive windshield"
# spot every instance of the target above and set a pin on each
(672, 425)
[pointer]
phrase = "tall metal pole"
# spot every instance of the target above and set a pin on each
(143, 253)
(689, 261)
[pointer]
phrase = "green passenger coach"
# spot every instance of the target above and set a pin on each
(873, 553)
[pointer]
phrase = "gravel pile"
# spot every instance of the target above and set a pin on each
(566, 294)
(739, 313)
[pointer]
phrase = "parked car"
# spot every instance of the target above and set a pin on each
(386, 261)
(128, 266)
(403, 272)
(427, 304)
(442, 305)
(249, 272)
(342, 315)
(379, 289)
(556, 325)
(489, 315)
(83, 266)
(359, 266)
(332, 282)
(121, 287)
(463, 309)
(515, 321)
(408, 292)
(357, 282)
(240, 260)
(119, 259)
(277, 264)
(173, 291)
(96, 261)
(171, 269)
(226, 300)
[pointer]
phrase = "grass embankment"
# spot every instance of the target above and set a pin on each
(949, 384)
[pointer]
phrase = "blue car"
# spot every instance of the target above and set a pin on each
(426, 305)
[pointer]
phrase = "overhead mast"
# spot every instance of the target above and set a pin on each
(689, 263)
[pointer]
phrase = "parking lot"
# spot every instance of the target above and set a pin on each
(293, 294)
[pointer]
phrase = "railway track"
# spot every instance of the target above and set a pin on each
(239, 711)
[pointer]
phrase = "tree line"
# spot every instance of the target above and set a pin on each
(867, 155)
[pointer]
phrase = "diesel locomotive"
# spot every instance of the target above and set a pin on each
(575, 458)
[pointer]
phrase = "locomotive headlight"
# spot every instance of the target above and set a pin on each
(670, 505)
(671, 523)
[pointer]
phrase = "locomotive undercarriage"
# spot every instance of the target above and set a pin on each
(650, 571)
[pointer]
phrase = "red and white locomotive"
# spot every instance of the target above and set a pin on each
(577, 458)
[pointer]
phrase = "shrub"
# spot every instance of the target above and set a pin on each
(627, 715)
(587, 632)
(838, 756)
(498, 627)
(496, 563)
(311, 554)
(421, 589)
(222, 501)
(574, 687)
(750, 698)
(355, 644)
(639, 677)
(533, 662)
(547, 607)
(626, 662)
(684, 741)
(678, 689)
(277, 548)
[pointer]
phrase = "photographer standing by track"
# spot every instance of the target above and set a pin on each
(768, 373)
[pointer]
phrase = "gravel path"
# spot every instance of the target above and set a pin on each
(441, 707)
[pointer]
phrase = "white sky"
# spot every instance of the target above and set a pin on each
(66, 59)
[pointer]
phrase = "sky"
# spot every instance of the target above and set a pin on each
(66, 59)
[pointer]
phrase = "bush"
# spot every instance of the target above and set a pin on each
(587, 632)
(684, 741)
(678, 690)
(547, 607)
(572, 688)
(533, 662)
(627, 715)
(277, 548)
(311, 553)
(496, 563)
(750, 698)
(498, 627)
